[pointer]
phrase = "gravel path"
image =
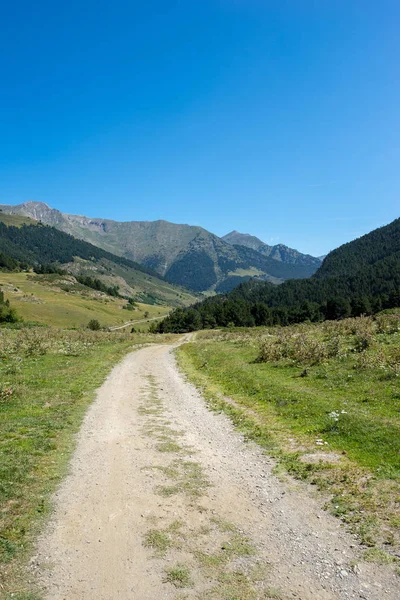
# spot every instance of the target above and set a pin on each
(165, 500)
(133, 323)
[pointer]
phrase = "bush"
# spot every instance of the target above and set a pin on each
(388, 323)
(94, 325)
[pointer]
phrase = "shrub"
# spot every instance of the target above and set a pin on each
(94, 325)
(363, 342)
(388, 323)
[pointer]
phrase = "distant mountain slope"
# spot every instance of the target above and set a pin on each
(367, 250)
(184, 254)
(277, 252)
(235, 238)
(360, 277)
(151, 243)
(37, 244)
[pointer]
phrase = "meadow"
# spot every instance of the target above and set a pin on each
(48, 378)
(324, 400)
(58, 301)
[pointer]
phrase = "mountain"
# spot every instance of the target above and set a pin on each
(27, 243)
(183, 254)
(363, 252)
(278, 252)
(360, 277)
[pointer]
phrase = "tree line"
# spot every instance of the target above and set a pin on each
(31, 245)
(362, 277)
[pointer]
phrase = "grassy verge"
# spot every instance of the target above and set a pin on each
(47, 380)
(324, 400)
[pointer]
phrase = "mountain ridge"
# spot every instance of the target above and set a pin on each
(279, 252)
(184, 254)
(358, 278)
(32, 244)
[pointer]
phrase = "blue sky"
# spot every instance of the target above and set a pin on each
(279, 119)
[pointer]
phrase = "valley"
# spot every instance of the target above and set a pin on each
(185, 255)
(199, 301)
(256, 459)
(213, 517)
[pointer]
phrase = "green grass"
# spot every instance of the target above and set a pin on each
(251, 272)
(187, 478)
(301, 404)
(42, 300)
(15, 220)
(48, 379)
(179, 576)
(158, 540)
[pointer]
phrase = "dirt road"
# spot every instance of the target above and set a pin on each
(165, 500)
(133, 323)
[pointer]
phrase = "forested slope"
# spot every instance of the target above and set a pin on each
(41, 244)
(183, 254)
(362, 252)
(348, 283)
(44, 248)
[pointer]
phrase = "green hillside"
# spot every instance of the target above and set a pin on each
(30, 244)
(62, 302)
(361, 277)
(15, 220)
(363, 252)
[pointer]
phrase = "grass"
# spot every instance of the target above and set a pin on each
(233, 586)
(188, 478)
(311, 392)
(162, 540)
(252, 272)
(44, 299)
(214, 545)
(48, 379)
(168, 446)
(224, 580)
(158, 540)
(15, 220)
(378, 556)
(232, 545)
(179, 576)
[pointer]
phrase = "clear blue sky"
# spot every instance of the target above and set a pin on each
(278, 118)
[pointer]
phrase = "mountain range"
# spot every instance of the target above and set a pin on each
(278, 252)
(360, 277)
(185, 255)
(26, 243)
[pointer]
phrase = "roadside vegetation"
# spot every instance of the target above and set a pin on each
(47, 380)
(7, 314)
(324, 399)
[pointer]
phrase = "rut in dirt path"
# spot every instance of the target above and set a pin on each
(165, 500)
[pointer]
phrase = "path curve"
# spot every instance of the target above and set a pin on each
(132, 323)
(164, 500)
